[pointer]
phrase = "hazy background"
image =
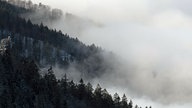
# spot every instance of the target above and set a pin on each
(153, 39)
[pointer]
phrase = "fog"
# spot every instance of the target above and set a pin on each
(152, 39)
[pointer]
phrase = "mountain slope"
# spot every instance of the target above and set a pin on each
(22, 86)
(47, 46)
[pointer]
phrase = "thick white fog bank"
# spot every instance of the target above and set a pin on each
(160, 59)
(153, 39)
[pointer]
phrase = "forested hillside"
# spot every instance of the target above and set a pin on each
(21, 86)
(33, 46)
(47, 46)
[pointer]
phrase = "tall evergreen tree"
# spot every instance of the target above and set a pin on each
(116, 99)
(81, 89)
(124, 102)
(130, 105)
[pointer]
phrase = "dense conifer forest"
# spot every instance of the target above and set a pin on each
(21, 86)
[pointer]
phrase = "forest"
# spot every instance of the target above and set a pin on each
(21, 86)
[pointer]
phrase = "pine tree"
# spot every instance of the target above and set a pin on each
(116, 99)
(124, 102)
(64, 84)
(107, 101)
(97, 91)
(89, 91)
(130, 105)
(52, 87)
(136, 106)
(81, 89)
(98, 96)
(72, 88)
(63, 91)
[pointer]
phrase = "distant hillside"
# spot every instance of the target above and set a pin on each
(36, 11)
